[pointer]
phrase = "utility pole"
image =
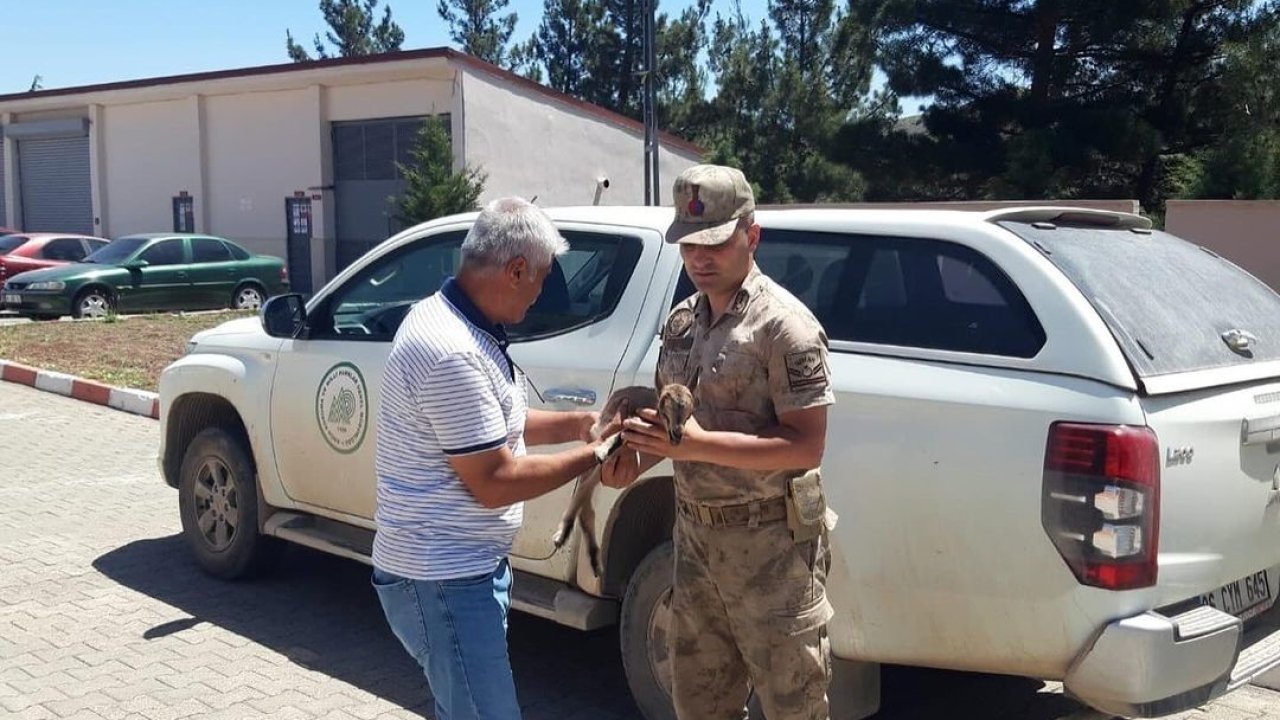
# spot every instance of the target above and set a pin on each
(652, 195)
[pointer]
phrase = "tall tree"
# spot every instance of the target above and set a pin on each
(569, 44)
(1059, 98)
(353, 31)
(683, 106)
(623, 51)
(433, 189)
(479, 30)
(1245, 161)
(784, 89)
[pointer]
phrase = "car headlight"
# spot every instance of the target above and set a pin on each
(47, 285)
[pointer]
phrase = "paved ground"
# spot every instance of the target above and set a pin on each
(102, 615)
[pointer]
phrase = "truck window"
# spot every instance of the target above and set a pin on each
(584, 286)
(1169, 303)
(908, 292)
(372, 303)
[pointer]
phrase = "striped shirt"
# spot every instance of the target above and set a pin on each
(449, 389)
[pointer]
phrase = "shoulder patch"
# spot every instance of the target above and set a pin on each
(739, 302)
(805, 369)
(679, 323)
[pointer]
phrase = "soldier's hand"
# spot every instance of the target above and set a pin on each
(647, 434)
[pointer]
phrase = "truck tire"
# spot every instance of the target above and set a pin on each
(218, 505)
(643, 628)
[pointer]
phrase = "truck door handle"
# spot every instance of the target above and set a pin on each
(576, 396)
(1260, 430)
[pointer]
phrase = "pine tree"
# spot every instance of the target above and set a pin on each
(683, 107)
(433, 189)
(1244, 163)
(353, 31)
(1062, 98)
(570, 45)
(474, 26)
(784, 89)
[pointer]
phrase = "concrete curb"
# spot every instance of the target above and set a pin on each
(138, 402)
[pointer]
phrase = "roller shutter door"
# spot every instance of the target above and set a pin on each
(55, 188)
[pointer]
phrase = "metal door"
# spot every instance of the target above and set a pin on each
(297, 213)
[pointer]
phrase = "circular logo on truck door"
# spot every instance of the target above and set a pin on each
(342, 407)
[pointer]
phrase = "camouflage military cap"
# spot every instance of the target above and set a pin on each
(709, 200)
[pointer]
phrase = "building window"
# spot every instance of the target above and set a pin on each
(371, 149)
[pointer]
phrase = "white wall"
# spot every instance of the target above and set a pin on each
(150, 152)
(530, 144)
(260, 148)
(1242, 231)
(387, 99)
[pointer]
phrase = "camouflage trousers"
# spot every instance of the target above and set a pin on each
(749, 608)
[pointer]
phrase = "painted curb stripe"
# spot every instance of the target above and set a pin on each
(54, 382)
(138, 402)
(14, 372)
(90, 391)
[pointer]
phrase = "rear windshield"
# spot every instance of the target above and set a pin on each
(9, 243)
(1169, 303)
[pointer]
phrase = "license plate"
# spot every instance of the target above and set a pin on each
(1244, 598)
(12, 299)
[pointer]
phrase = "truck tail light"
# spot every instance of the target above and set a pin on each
(1101, 502)
(284, 274)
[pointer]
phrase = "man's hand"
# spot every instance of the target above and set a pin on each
(621, 468)
(585, 423)
(647, 434)
(553, 427)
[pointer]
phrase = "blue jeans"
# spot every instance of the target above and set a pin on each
(457, 631)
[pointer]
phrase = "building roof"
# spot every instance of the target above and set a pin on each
(448, 54)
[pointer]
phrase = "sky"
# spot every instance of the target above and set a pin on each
(70, 43)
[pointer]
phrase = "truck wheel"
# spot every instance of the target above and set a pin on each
(218, 505)
(644, 627)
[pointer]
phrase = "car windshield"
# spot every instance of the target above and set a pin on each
(9, 243)
(116, 251)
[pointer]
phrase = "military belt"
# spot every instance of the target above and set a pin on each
(747, 514)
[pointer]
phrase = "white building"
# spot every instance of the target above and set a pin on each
(298, 159)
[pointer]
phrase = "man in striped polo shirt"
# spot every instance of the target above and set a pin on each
(452, 470)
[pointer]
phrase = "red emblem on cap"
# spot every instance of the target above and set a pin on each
(696, 206)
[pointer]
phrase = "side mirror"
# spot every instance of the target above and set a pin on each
(134, 264)
(283, 315)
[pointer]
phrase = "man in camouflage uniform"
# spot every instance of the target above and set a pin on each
(749, 605)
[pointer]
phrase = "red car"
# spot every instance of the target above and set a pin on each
(21, 252)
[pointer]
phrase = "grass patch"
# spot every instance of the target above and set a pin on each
(125, 352)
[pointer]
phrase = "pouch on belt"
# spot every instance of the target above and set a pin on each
(806, 506)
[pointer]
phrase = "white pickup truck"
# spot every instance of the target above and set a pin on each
(1055, 450)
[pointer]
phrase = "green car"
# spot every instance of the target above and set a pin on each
(140, 273)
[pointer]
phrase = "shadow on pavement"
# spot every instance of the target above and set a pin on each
(923, 694)
(321, 612)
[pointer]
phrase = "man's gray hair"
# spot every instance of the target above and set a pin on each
(509, 228)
